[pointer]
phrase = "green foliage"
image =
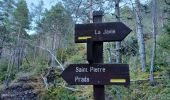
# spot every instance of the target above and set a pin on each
(73, 53)
(163, 49)
(130, 45)
(21, 19)
(164, 40)
(56, 20)
(21, 14)
(79, 56)
(127, 13)
(6, 11)
(168, 30)
(36, 68)
(162, 52)
(58, 93)
(63, 55)
(77, 59)
(165, 95)
(3, 69)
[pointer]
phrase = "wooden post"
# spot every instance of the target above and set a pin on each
(95, 55)
(94, 34)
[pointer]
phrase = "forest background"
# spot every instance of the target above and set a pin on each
(51, 46)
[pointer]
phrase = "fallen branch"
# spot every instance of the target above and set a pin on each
(45, 81)
(72, 89)
(52, 56)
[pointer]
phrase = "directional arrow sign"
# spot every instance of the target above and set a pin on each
(104, 32)
(97, 74)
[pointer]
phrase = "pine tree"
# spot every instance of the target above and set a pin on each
(21, 16)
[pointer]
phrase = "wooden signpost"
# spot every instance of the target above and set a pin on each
(104, 32)
(96, 73)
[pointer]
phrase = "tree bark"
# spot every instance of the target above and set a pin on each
(53, 49)
(1, 47)
(154, 32)
(118, 44)
(34, 55)
(18, 49)
(101, 5)
(140, 35)
(109, 53)
(10, 69)
(91, 11)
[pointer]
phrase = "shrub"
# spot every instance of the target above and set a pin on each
(57, 93)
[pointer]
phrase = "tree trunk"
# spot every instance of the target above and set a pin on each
(34, 54)
(140, 35)
(109, 53)
(91, 11)
(22, 52)
(101, 5)
(118, 44)
(53, 49)
(10, 69)
(18, 50)
(154, 32)
(1, 47)
(162, 20)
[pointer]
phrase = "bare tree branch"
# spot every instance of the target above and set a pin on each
(45, 81)
(78, 9)
(52, 56)
(168, 3)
